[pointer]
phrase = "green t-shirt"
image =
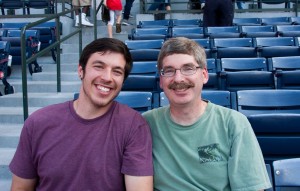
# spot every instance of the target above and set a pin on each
(218, 152)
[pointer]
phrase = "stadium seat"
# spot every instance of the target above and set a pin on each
(148, 33)
(295, 20)
(144, 44)
(245, 74)
(277, 134)
(218, 97)
(155, 24)
(140, 101)
(233, 48)
(188, 32)
(250, 102)
(222, 32)
(40, 4)
(144, 54)
(286, 174)
(246, 21)
(287, 71)
(4, 68)
(12, 4)
(276, 21)
(32, 44)
(288, 30)
(186, 23)
(270, 174)
(276, 47)
(206, 44)
(258, 31)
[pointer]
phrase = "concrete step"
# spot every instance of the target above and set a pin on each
(6, 157)
(52, 76)
(13, 115)
(35, 99)
(9, 135)
(46, 86)
(5, 184)
(71, 67)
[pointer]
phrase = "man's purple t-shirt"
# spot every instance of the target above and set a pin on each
(65, 152)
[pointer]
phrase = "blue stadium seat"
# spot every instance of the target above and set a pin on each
(287, 71)
(144, 44)
(222, 32)
(186, 23)
(144, 54)
(276, 21)
(32, 43)
(259, 31)
(295, 20)
(270, 174)
(288, 30)
(276, 47)
(277, 134)
(149, 33)
(218, 97)
(250, 102)
(206, 44)
(286, 174)
(40, 4)
(155, 24)
(233, 48)
(246, 21)
(12, 4)
(245, 74)
(140, 101)
(188, 32)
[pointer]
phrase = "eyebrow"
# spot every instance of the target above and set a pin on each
(186, 64)
(103, 63)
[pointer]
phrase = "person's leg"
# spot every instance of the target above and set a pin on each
(209, 13)
(110, 23)
(226, 12)
(118, 21)
(84, 20)
(75, 4)
(155, 5)
(127, 9)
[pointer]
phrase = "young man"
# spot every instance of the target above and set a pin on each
(198, 145)
(92, 143)
(86, 4)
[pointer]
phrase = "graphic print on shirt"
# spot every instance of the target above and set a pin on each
(209, 153)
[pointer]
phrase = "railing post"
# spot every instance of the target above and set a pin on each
(58, 63)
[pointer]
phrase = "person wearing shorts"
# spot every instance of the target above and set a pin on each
(85, 4)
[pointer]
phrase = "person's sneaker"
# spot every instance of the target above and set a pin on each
(126, 22)
(130, 16)
(86, 22)
(118, 28)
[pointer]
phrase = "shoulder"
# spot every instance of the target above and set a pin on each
(155, 113)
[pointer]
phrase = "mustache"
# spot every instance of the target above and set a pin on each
(181, 85)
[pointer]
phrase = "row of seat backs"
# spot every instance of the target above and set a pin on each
(26, 5)
(236, 21)
(225, 48)
(31, 43)
(215, 32)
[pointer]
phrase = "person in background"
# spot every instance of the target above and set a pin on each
(85, 4)
(93, 142)
(115, 10)
(241, 4)
(198, 145)
(126, 14)
(218, 13)
(160, 5)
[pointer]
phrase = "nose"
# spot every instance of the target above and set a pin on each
(178, 76)
(106, 75)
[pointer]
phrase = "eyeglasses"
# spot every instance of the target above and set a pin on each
(184, 70)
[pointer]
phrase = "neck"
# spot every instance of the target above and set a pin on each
(189, 114)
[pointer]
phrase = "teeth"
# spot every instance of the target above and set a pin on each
(103, 88)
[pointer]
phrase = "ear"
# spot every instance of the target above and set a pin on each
(205, 75)
(80, 71)
(160, 82)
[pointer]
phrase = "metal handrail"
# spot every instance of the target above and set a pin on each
(44, 51)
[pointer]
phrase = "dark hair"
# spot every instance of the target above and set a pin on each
(182, 45)
(104, 45)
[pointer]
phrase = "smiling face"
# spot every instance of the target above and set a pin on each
(102, 78)
(182, 89)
